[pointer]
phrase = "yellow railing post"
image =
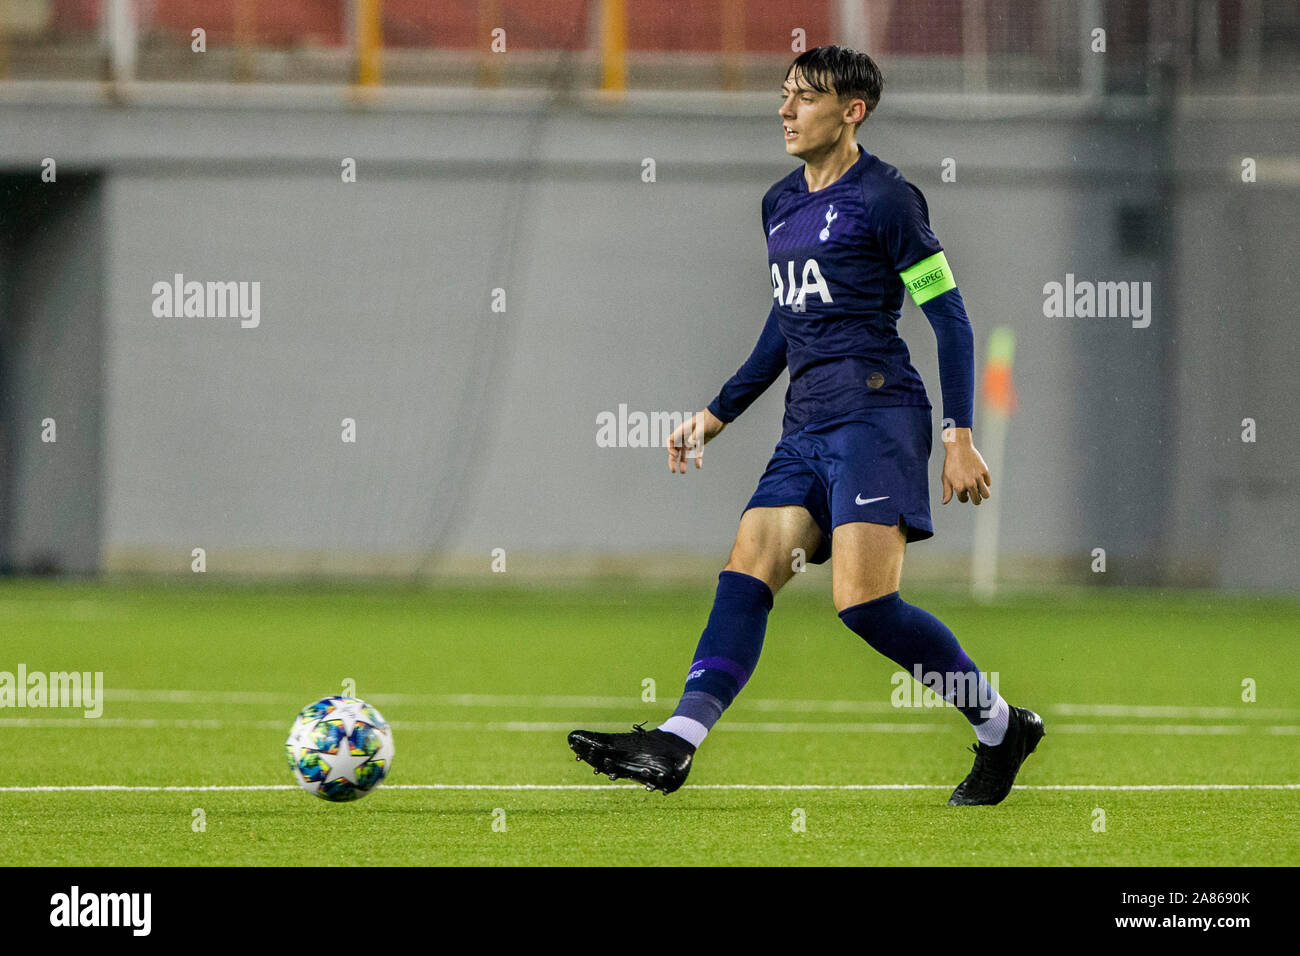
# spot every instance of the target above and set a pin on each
(370, 41)
(733, 44)
(245, 37)
(489, 19)
(613, 46)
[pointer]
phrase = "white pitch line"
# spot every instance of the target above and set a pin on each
(94, 788)
(763, 727)
(741, 726)
(1245, 712)
(133, 722)
(511, 726)
(1175, 729)
(561, 701)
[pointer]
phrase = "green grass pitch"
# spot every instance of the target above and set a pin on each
(482, 684)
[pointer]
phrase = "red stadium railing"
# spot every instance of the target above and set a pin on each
(1014, 45)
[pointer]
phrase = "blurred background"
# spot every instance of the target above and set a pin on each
(478, 226)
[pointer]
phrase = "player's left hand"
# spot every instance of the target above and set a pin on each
(964, 470)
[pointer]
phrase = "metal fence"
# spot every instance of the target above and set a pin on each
(1012, 46)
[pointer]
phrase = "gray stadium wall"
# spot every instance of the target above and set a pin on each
(476, 429)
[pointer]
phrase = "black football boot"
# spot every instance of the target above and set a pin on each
(995, 768)
(658, 759)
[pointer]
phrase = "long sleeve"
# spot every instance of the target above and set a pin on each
(764, 365)
(956, 340)
(906, 235)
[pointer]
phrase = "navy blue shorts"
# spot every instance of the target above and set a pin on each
(869, 465)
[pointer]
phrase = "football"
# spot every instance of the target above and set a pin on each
(340, 748)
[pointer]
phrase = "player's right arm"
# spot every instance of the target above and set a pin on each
(763, 367)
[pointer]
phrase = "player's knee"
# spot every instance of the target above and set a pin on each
(847, 596)
(757, 566)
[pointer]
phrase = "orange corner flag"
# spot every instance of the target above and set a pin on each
(998, 390)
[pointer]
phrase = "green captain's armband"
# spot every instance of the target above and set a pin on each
(928, 278)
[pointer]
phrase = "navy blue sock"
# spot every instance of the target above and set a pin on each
(727, 654)
(922, 645)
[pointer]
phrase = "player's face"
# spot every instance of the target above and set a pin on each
(812, 122)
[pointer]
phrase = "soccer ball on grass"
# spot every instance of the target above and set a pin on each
(340, 748)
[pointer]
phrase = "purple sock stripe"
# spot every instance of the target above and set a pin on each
(723, 664)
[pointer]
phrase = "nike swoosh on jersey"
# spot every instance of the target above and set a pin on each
(775, 228)
(859, 500)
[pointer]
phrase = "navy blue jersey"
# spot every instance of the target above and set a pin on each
(835, 257)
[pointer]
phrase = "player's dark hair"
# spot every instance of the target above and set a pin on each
(844, 72)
